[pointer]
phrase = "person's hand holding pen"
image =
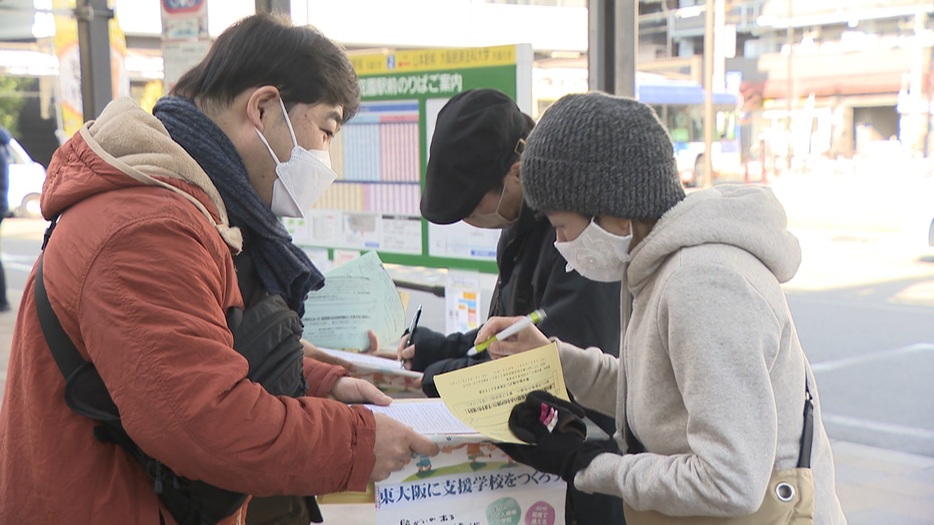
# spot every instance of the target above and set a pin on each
(527, 338)
(406, 350)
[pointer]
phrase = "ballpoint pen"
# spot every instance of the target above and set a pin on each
(533, 318)
(410, 333)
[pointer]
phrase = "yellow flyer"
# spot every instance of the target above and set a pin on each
(482, 396)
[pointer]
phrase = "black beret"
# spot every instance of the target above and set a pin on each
(472, 148)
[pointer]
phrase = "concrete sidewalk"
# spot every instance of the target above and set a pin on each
(876, 486)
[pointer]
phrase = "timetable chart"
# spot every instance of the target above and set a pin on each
(381, 153)
(376, 157)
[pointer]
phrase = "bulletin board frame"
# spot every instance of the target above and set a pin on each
(373, 205)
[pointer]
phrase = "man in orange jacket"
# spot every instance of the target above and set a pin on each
(141, 272)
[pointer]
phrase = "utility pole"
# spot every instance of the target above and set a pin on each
(613, 45)
(93, 18)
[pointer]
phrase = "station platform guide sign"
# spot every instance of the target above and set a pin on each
(381, 154)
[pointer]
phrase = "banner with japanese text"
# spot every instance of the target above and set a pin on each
(69, 80)
(185, 37)
(471, 482)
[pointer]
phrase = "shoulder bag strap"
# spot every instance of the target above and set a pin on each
(64, 352)
(807, 434)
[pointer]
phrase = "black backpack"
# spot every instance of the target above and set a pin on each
(267, 334)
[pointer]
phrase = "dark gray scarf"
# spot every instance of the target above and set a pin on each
(283, 268)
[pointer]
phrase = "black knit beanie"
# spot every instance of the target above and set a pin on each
(597, 154)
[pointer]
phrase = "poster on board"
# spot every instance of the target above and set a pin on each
(381, 153)
(471, 482)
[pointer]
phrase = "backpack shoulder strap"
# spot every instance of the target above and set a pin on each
(64, 352)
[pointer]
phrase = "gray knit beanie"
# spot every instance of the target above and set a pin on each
(597, 154)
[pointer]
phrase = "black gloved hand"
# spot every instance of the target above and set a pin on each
(558, 432)
(542, 414)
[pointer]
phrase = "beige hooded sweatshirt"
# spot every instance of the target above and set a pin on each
(711, 377)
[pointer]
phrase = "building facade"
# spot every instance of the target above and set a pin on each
(854, 76)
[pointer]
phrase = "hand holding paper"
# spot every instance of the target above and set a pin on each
(483, 395)
(395, 442)
(357, 296)
(366, 363)
(312, 351)
(428, 417)
(355, 390)
(448, 486)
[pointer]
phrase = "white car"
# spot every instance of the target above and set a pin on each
(26, 179)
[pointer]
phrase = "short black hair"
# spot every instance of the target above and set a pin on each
(306, 66)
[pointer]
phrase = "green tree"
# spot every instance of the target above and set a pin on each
(11, 101)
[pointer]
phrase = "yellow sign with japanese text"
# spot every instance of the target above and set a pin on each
(407, 61)
(66, 49)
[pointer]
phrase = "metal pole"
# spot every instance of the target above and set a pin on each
(274, 6)
(719, 47)
(790, 95)
(600, 60)
(613, 45)
(627, 46)
(708, 93)
(93, 18)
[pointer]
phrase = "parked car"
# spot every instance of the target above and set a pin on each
(26, 179)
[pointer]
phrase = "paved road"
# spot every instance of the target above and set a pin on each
(863, 301)
(871, 344)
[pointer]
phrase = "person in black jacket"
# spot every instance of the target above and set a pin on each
(473, 175)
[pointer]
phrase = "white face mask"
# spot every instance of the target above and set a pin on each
(302, 179)
(597, 254)
(492, 220)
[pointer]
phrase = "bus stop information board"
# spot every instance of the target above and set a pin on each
(381, 154)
